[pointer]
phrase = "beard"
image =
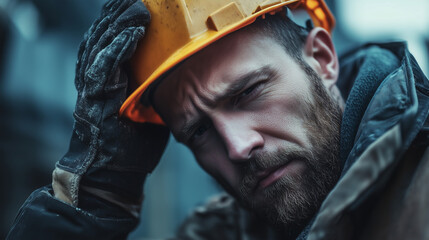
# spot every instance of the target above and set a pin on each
(291, 202)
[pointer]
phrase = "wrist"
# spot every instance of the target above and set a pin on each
(101, 192)
(120, 188)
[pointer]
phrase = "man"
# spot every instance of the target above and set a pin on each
(260, 109)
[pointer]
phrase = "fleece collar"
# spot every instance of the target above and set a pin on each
(361, 73)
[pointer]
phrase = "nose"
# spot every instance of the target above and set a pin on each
(240, 138)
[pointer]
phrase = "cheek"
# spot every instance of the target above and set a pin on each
(215, 162)
(283, 118)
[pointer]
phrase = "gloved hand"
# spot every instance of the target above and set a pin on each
(108, 157)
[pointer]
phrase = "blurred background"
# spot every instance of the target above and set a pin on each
(38, 48)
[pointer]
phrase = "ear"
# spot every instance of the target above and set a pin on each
(319, 52)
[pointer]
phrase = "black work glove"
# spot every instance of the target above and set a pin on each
(108, 157)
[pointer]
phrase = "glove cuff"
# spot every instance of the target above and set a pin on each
(65, 186)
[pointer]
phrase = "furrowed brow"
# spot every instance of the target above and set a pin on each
(238, 85)
(235, 88)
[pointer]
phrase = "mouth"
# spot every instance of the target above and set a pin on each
(269, 176)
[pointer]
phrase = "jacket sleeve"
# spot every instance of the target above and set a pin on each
(44, 217)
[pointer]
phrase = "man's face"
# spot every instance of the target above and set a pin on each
(258, 122)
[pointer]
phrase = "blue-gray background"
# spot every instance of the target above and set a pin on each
(38, 48)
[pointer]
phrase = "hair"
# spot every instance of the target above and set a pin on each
(287, 33)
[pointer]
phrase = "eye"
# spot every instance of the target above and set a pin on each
(199, 132)
(248, 92)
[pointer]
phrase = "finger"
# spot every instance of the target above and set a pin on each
(91, 44)
(122, 7)
(110, 6)
(134, 15)
(94, 44)
(129, 48)
(104, 35)
(109, 13)
(78, 72)
(85, 50)
(114, 8)
(108, 59)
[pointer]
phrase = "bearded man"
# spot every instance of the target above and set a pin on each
(260, 107)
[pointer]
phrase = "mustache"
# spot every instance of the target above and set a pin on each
(264, 161)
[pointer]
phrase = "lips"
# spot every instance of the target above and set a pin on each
(270, 176)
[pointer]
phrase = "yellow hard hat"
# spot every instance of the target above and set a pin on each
(180, 28)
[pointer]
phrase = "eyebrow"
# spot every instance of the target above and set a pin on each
(238, 85)
(235, 88)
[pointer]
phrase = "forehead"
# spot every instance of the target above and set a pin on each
(210, 72)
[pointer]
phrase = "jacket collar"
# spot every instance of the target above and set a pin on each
(385, 110)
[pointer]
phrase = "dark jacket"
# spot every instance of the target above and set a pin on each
(381, 193)
(384, 140)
